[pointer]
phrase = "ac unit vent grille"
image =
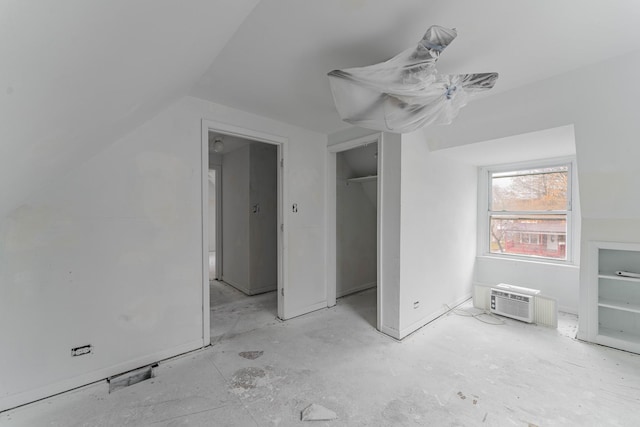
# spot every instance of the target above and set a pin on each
(511, 304)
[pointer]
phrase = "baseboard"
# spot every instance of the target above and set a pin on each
(393, 333)
(264, 289)
(30, 396)
(570, 310)
(236, 285)
(248, 291)
(431, 317)
(357, 289)
(305, 310)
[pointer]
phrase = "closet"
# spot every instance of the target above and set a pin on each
(356, 219)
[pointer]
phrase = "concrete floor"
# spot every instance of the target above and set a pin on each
(456, 371)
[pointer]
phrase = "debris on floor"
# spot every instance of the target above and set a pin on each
(251, 355)
(315, 412)
(247, 378)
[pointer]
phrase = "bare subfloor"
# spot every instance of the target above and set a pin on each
(456, 371)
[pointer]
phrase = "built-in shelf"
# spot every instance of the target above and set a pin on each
(621, 336)
(613, 309)
(363, 178)
(616, 277)
(619, 305)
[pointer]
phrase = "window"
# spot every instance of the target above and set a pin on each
(529, 211)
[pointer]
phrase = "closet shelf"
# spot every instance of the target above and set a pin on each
(363, 178)
(619, 305)
(616, 277)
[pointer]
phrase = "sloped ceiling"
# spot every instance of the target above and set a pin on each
(76, 74)
(276, 64)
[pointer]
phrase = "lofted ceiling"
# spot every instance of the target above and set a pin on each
(276, 63)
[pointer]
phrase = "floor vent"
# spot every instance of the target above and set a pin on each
(130, 378)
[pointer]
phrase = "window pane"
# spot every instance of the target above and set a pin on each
(530, 190)
(532, 235)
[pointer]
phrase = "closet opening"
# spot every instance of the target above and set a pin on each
(356, 227)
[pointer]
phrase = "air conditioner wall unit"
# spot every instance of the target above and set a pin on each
(513, 301)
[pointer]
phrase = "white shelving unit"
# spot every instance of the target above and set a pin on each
(614, 301)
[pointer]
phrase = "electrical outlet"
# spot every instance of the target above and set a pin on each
(81, 351)
(416, 304)
(295, 208)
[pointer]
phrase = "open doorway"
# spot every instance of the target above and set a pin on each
(214, 203)
(353, 181)
(242, 230)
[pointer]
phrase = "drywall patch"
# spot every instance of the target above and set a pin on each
(26, 228)
(159, 188)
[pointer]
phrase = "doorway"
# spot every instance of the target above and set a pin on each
(244, 177)
(214, 204)
(353, 240)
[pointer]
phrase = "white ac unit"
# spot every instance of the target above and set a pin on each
(513, 301)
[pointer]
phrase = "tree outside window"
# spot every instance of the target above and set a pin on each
(528, 212)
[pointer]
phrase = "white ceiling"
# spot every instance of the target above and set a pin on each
(276, 63)
(544, 144)
(76, 75)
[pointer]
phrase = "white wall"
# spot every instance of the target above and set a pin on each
(390, 239)
(263, 225)
(600, 101)
(438, 232)
(560, 281)
(249, 239)
(235, 219)
(111, 255)
(356, 231)
(428, 216)
(212, 210)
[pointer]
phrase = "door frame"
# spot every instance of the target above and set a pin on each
(332, 152)
(217, 169)
(283, 150)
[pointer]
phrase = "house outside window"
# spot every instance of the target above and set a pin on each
(529, 211)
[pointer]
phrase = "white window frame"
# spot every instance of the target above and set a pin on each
(484, 200)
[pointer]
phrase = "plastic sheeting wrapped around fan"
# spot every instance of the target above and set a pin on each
(405, 93)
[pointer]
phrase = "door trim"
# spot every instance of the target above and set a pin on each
(283, 149)
(332, 151)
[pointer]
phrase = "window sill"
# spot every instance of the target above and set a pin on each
(547, 262)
